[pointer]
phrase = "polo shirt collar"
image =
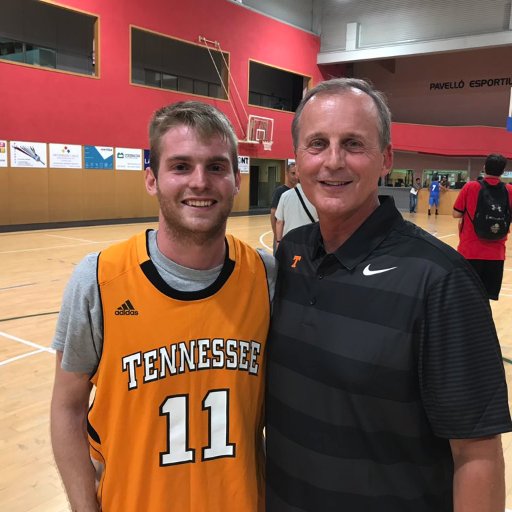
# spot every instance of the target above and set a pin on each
(366, 238)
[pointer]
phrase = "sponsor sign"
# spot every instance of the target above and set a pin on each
(28, 154)
(128, 159)
(65, 156)
(3, 153)
(146, 158)
(244, 163)
(99, 157)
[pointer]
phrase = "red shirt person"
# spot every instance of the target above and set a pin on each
(486, 256)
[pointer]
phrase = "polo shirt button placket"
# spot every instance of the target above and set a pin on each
(312, 301)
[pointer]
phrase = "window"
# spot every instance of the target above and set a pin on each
(275, 88)
(159, 61)
(455, 178)
(41, 34)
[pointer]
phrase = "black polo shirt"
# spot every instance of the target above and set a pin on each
(378, 354)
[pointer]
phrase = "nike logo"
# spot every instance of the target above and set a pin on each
(368, 272)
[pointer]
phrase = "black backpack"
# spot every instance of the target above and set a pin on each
(492, 214)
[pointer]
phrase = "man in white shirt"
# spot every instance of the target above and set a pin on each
(294, 210)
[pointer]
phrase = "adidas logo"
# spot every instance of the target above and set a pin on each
(126, 308)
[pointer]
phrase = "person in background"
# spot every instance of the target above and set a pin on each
(168, 329)
(413, 195)
(434, 192)
(294, 210)
(386, 388)
(290, 180)
(487, 257)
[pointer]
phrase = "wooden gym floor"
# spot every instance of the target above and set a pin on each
(35, 268)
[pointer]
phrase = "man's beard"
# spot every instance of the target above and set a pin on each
(177, 228)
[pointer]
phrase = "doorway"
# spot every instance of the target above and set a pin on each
(265, 176)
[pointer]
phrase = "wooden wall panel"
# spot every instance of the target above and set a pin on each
(28, 195)
(99, 196)
(65, 195)
(5, 214)
(241, 203)
(128, 192)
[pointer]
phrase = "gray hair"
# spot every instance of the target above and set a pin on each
(205, 119)
(340, 86)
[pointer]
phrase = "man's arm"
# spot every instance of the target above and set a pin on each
(273, 220)
(279, 229)
(479, 475)
(70, 403)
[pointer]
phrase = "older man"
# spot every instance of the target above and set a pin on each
(386, 390)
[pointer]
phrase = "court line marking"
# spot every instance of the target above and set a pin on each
(71, 238)
(270, 249)
(16, 286)
(445, 236)
(16, 358)
(28, 343)
(51, 248)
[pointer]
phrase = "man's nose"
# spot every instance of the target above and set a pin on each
(335, 156)
(198, 177)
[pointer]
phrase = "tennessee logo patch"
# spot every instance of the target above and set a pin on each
(296, 260)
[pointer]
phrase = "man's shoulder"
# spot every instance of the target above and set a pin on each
(288, 193)
(280, 190)
(118, 258)
(305, 234)
(413, 241)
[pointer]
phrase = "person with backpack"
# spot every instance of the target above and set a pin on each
(484, 208)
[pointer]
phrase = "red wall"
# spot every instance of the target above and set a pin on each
(45, 106)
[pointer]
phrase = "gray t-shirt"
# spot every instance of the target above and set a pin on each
(79, 332)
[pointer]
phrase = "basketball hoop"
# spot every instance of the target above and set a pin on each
(267, 144)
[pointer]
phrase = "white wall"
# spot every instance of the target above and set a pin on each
(397, 21)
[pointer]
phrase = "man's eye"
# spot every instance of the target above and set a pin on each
(353, 145)
(217, 168)
(317, 144)
(179, 167)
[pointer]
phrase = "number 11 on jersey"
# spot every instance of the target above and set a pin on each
(176, 408)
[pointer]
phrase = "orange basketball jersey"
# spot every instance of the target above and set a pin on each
(176, 423)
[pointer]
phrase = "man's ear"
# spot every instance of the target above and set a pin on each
(387, 160)
(150, 181)
(238, 181)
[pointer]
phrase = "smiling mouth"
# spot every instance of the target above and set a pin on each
(335, 183)
(199, 203)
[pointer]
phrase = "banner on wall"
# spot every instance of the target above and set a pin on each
(28, 154)
(146, 158)
(99, 157)
(509, 118)
(244, 163)
(3, 153)
(65, 156)
(128, 159)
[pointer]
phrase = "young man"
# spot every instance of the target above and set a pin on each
(169, 328)
(434, 192)
(386, 389)
(290, 180)
(487, 257)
